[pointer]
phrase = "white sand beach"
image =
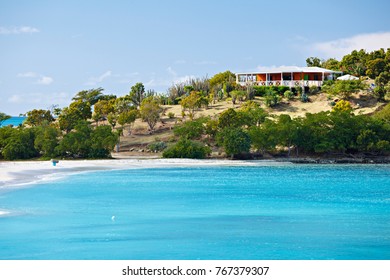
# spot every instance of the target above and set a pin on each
(19, 173)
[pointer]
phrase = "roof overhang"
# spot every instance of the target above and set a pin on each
(291, 69)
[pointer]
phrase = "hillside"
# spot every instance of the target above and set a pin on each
(134, 144)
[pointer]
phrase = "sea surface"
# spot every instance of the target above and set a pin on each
(14, 121)
(287, 212)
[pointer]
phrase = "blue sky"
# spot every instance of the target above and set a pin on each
(50, 50)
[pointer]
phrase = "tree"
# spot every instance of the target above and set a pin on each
(46, 140)
(91, 96)
(235, 141)
(3, 117)
(191, 129)
(263, 137)
(19, 144)
(229, 118)
(331, 64)
(137, 94)
(251, 114)
(313, 62)
(103, 141)
(287, 131)
(191, 103)
(354, 63)
(102, 108)
(375, 67)
(127, 118)
(367, 140)
(123, 104)
(186, 148)
(382, 83)
(150, 111)
(342, 106)
(38, 117)
(76, 143)
(76, 112)
(313, 133)
(86, 142)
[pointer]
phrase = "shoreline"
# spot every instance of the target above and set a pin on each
(19, 173)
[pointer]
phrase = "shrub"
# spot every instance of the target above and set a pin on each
(314, 90)
(272, 98)
(185, 148)
(157, 146)
(190, 129)
(260, 90)
(171, 115)
(288, 94)
(304, 97)
(280, 89)
(234, 140)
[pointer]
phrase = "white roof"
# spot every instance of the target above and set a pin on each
(347, 78)
(289, 69)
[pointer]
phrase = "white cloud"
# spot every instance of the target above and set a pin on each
(340, 47)
(42, 79)
(45, 80)
(95, 80)
(18, 30)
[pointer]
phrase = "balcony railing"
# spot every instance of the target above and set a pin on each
(293, 83)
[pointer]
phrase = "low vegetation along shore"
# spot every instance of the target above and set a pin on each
(342, 122)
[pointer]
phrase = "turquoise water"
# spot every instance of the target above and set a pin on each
(295, 212)
(15, 121)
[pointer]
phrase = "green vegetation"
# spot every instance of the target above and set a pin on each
(375, 65)
(186, 148)
(150, 111)
(92, 124)
(344, 89)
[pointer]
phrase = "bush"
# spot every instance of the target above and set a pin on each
(280, 89)
(185, 148)
(171, 115)
(288, 94)
(235, 141)
(262, 90)
(272, 98)
(157, 146)
(259, 90)
(190, 129)
(19, 145)
(304, 97)
(314, 90)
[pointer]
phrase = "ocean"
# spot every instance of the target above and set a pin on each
(15, 121)
(286, 212)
